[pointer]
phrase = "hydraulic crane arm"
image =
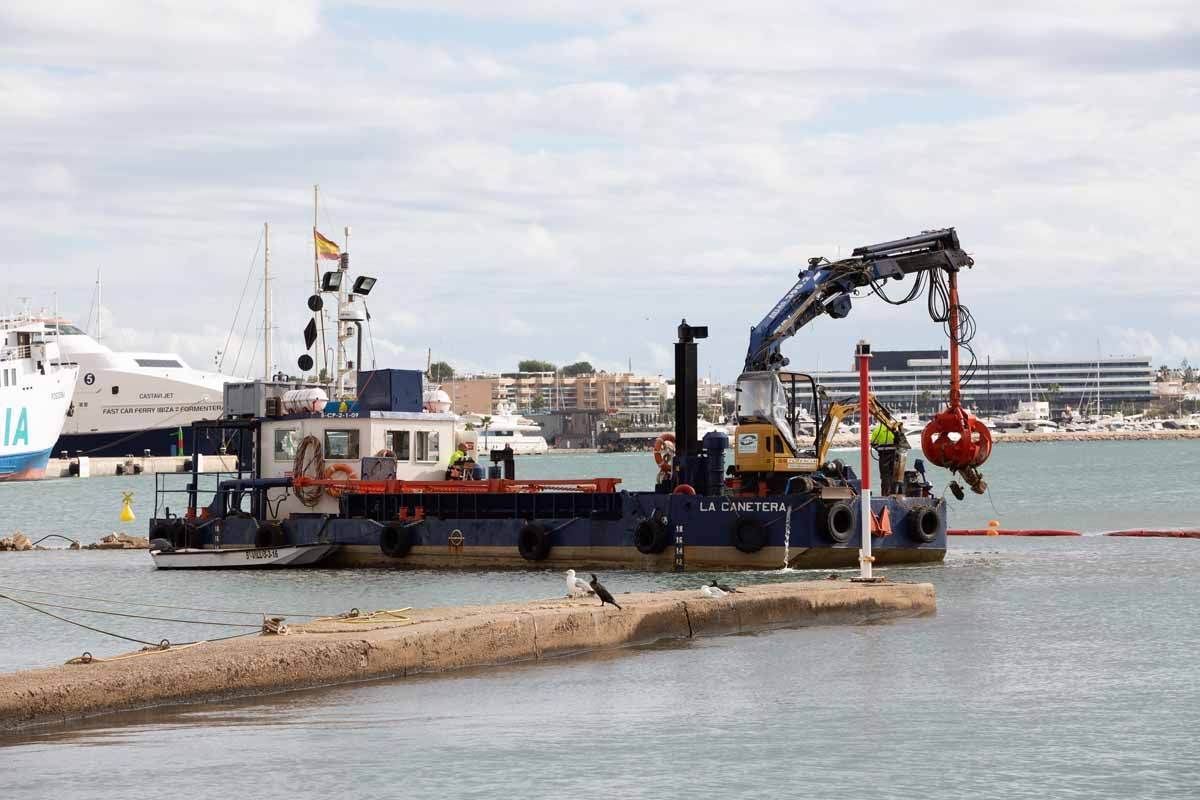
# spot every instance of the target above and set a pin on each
(826, 287)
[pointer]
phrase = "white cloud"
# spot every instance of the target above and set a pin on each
(597, 172)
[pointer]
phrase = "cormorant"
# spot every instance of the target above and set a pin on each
(604, 594)
(723, 587)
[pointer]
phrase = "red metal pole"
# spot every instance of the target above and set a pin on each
(865, 559)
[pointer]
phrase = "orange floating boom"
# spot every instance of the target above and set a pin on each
(1022, 532)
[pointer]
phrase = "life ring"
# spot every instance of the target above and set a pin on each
(270, 534)
(664, 451)
(749, 535)
(395, 540)
(533, 542)
(923, 523)
(343, 469)
(837, 521)
(684, 488)
(651, 536)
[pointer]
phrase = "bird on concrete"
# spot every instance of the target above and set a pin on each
(604, 594)
(711, 591)
(723, 587)
(577, 586)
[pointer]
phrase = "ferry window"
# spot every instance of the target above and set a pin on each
(157, 362)
(6, 377)
(427, 446)
(398, 443)
(286, 442)
(341, 444)
(116, 389)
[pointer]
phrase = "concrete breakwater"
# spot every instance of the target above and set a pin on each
(436, 640)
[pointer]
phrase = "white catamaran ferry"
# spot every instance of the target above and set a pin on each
(126, 403)
(35, 393)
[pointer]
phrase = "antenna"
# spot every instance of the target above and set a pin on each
(266, 301)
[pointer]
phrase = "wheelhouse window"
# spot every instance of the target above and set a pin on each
(427, 446)
(169, 363)
(399, 442)
(286, 442)
(341, 444)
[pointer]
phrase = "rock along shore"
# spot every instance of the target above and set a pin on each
(437, 640)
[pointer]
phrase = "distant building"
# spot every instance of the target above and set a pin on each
(639, 397)
(907, 379)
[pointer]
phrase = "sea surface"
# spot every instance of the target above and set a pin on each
(1054, 667)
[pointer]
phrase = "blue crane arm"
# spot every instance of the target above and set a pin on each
(826, 287)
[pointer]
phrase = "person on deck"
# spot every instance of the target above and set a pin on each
(883, 440)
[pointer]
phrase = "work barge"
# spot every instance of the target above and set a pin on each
(344, 649)
(769, 499)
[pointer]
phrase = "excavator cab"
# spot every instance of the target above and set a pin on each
(769, 424)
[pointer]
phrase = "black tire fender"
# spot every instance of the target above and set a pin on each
(923, 523)
(533, 542)
(749, 535)
(837, 521)
(651, 536)
(395, 540)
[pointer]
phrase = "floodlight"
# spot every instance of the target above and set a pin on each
(363, 285)
(331, 281)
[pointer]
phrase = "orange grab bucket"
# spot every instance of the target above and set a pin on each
(954, 439)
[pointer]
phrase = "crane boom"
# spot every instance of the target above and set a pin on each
(825, 287)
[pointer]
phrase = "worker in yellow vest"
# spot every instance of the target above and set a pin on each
(883, 440)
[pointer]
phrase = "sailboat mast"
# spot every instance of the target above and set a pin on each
(266, 301)
(99, 307)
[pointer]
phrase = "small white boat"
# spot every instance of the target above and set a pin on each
(299, 555)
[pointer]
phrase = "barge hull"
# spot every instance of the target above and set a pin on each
(692, 532)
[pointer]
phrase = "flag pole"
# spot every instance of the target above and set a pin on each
(317, 278)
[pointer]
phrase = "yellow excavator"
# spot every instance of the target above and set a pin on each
(767, 450)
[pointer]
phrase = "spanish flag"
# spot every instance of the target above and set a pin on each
(326, 248)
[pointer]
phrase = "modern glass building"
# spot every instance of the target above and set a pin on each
(917, 380)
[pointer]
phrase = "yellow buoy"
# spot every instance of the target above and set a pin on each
(127, 511)
(993, 527)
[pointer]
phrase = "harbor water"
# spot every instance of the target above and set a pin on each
(1054, 668)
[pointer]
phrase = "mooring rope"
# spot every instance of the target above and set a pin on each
(153, 605)
(82, 625)
(137, 616)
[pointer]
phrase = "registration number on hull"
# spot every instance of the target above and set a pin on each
(257, 554)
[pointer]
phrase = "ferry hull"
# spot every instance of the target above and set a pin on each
(120, 444)
(24, 466)
(590, 531)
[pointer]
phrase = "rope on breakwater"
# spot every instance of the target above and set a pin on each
(152, 605)
(88, 658)
(356, 616)
(54, 536)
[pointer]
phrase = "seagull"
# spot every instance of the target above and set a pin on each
(723, 587)
(604, 594)
(711, 591)
(577, 586)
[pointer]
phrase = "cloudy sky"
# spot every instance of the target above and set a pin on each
(567, 180)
